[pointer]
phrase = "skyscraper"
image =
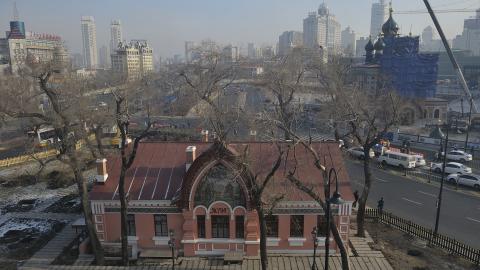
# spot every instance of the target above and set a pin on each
(89, 40)
(322, 29)
(251, 51)
(189, 47)
(349, 42)
(104, 57)
(470, 37)
(379, 16)
(115, 35)
(289, 40)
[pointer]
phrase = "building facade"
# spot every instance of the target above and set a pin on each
(289, 40)
(398, 60)
(378, 17)
(322, 29)
(349, 42)
(429, 41)
(89, 42)
(104, 57)
(116, 35)
(195, 192)
(133, 60)
(470, 37)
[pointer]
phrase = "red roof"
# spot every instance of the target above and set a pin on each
(158, 172)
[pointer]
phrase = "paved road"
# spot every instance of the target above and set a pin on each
(460, 215)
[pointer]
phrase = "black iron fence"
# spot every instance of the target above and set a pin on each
(451, 245)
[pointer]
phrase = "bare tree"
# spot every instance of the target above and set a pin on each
(358, 112)
(22, 97)
(257, 184)
(128, 154)
(283, 81)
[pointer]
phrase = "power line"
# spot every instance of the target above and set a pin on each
(436, 11)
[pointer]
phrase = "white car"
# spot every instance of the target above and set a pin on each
(459, 155)
(401, 160)
(471, 180)
(359, 153)
(420, 161)
(452, 168)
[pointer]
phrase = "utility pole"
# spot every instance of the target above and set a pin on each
(439, 200)
(468, 125)
(456, 67)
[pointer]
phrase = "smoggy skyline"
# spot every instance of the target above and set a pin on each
(167, 24)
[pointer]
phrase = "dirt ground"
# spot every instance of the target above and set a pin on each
(395, 245)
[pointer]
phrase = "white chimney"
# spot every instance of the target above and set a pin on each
(204, 135)
(102, 174)
(191, 155)
(253, 135)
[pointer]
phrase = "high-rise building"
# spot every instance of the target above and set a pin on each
(360, 46)
(251, 51)
(289, 40)
(230, 54)
(77, 60)
(115, 34)
(379, 17)
(133, 60)
(189, 48)
(104, 57)
(349, 42)
(321, 29)
(429, 42)
(89, 40)
(470, 37)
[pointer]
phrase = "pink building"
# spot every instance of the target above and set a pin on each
(196, 191)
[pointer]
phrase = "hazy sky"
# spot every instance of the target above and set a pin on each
(166, 24)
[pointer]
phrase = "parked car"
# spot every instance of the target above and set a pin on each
(400, 160)
(358, 152)
(459, 155)
(420, 161)
(471, 180)
(452, 168)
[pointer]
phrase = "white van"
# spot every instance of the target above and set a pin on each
(398, 159)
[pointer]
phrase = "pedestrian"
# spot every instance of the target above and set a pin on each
(380, 204)
(355, 196)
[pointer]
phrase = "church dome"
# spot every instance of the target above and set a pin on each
(369, 47)
(390, 27)
(323, 10)
(379, 44)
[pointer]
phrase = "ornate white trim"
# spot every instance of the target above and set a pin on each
(296, 241)
(214, 241)
(273, 241)
(161, 240)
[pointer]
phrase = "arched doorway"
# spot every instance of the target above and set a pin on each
(407, 117)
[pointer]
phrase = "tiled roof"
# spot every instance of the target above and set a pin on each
(158, 172)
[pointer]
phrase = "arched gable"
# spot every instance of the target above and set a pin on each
(216, 155)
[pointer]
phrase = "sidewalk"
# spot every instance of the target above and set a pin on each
(45, 256)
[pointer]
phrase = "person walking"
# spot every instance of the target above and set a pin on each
(380, 204)
(355, 196)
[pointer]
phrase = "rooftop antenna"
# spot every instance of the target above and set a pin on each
(15, 12)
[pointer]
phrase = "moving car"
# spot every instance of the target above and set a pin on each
(400, 160)
(459, 155)
(359, 153)
(452, 168)
(471, 180)
(420, 161)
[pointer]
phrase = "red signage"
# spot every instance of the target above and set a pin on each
(219, 211)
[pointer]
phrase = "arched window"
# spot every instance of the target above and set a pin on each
(219, 184)
(436, 114)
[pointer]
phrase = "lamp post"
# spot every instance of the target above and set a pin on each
(171, 244)
(439, 199)
(315, 245)
(335, 199)
(468, 124)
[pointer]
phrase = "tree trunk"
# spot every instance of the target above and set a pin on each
(123, 216)
(98, 139)
(341, 246)
(87, 212)
(263, 238)
(362, 202)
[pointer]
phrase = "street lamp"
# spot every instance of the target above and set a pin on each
(335, 199)
(315, 245)
(439, 200)
(171, 244)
